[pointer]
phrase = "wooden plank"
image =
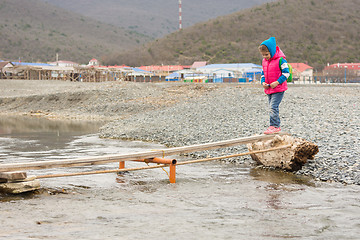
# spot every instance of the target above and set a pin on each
(133, 156)
(158, 166)
(13, 175)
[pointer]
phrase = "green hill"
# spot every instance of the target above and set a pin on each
(155, 18)
(35, 31)
(313, 31)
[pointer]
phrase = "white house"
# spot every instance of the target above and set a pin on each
(64, 64)
(94, 62)
(238, 69)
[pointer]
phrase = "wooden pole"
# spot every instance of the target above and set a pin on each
(132, 156)
(100, 172)
(172, 177)
(233, 155)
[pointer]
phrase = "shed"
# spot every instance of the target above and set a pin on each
(6, 69)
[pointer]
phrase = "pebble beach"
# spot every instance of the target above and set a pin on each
(179, 114)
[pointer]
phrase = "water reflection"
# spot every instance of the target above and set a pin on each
(279, 184)
(279, 177)
(38, 134)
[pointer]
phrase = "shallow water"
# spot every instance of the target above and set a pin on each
(214, 200)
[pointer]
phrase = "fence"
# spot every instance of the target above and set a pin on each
(324, 79)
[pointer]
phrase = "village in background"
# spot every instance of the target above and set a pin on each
(198, 72)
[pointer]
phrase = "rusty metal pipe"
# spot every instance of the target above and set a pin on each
(157, 160)
(163, 160)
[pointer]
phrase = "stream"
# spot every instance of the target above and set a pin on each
(212, 200)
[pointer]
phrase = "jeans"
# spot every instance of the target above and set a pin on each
(274, 102)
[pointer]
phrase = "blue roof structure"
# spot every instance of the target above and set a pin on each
(173, 75)
(140, 70)
(185, 74)
(231, 65)
(253, 70)
(30, 64)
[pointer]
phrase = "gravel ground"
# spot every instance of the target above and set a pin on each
(178, 114)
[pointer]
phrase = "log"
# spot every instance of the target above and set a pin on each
(290, 159)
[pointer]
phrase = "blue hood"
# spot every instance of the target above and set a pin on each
(271, 45)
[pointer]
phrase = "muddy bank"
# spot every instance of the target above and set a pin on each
(97, 101)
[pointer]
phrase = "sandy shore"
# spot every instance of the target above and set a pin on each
(180, 114)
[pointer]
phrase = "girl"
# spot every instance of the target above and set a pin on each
(273, 79)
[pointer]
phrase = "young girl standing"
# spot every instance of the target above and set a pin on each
(273, 79)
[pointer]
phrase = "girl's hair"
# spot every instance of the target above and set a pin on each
(263, 48)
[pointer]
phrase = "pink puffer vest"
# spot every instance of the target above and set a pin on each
(272, 72)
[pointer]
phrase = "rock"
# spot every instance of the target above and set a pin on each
(291, 159)
(28, 185)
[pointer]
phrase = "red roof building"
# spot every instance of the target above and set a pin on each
(355, 66)
(301, 71)
(117, 66)
(163, 68)
(198, 64)
(343, 71)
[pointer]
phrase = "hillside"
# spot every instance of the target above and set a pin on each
(35, 31)
(155, 18)
(317, 32)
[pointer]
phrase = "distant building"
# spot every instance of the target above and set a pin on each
(64, 64)
(165, 69)
(94, 62)
(30, 64)
(6, 69)
(349, 72)
(301, 71)
(342, 66)
(235, 67)
(234, 72)
(119, 66)
(355, 66)
(198, 64)
(241, 71)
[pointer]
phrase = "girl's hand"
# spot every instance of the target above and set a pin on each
(265, 85)
(274, 84)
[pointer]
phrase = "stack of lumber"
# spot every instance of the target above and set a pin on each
(17, 182)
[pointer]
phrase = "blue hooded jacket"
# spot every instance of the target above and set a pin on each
(271, 45)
